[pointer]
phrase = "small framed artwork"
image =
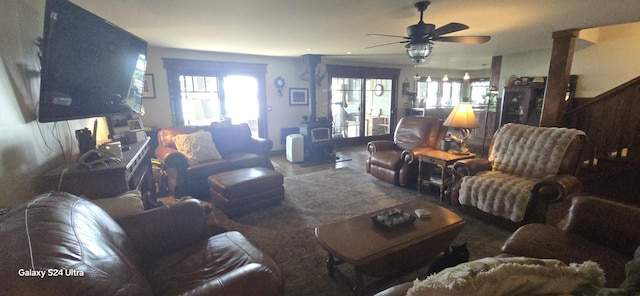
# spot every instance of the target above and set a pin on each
(149, 87)
(135, 124)
(298, 96)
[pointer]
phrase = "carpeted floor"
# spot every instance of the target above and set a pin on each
(286, 232)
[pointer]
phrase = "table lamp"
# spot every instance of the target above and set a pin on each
(461, 117)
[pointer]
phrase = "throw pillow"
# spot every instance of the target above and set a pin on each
(123, 205)
(197, 147)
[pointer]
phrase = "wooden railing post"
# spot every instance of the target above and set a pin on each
(558, 77)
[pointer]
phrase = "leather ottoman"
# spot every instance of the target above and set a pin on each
(241, 191)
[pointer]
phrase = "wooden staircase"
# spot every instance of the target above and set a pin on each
(611, 166)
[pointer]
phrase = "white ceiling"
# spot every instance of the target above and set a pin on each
(335, 27)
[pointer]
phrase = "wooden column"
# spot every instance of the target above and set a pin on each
(496, 65)
(558, 78)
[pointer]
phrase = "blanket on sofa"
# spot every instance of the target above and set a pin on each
(521, 155)
(512, 276)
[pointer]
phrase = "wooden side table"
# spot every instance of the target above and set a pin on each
(440, 159)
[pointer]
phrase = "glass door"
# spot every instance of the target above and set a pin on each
(361, 109)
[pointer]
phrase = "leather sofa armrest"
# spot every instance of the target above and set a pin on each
(163, 152)
(556, 188)
(470, 167)
(166, 229)
(539, 241)
(260, 146)
(380, 145)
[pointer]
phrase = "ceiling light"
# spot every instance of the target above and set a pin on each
(466, 76)
(418, 52)
(445, 78)
(429, 78)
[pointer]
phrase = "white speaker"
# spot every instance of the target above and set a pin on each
(295, 148)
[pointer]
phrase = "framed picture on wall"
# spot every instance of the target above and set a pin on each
(149, 87)
(298, 96)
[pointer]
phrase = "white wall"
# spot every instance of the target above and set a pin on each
(612, 61)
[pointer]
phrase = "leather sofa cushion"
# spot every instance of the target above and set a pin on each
(242, 160)
(231, 139)
(387, 159)
(226, 264)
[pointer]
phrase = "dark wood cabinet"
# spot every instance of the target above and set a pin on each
(521, 104)
(109, 179)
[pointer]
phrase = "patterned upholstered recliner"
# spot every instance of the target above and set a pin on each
(528, 167)
(395, 161)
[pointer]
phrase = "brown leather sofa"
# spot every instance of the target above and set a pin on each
(599, 230)
(543, 191)
(396, 161)
(60, 244)
(235, 144)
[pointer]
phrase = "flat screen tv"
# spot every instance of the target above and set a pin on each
(90, 67)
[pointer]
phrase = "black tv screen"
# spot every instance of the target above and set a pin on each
(90, 67)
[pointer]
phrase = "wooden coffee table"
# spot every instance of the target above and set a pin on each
(376, 252)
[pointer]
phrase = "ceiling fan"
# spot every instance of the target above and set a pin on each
(421, 36)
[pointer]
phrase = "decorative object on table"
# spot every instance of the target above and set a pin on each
(461, 117)
(279, 83)
(423, 213)
(149, 87)
(298, 96)
(393, 219)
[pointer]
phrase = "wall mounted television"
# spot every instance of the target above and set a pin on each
(90, 67)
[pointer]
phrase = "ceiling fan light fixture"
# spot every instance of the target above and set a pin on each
(418, 52)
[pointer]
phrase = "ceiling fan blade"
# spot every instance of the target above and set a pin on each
(464, 39)
(385, 35)
(449, 28)
(397, 42)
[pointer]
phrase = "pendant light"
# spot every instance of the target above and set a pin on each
(466, 74)
(445, 78)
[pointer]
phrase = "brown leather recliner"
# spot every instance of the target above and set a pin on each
(236, 146)
(395, 161)
(528, 168)
(60, 244)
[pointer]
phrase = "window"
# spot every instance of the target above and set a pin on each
(439, 94)
(205, 91)
(479, 91)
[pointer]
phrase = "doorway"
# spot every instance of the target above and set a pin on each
(362, 103)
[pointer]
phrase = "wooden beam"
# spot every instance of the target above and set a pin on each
(558, 78)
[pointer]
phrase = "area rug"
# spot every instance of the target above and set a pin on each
(286, 231)
(310, 163)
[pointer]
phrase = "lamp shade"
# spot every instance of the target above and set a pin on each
(462, 116)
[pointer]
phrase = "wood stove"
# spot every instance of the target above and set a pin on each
(318, 142)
